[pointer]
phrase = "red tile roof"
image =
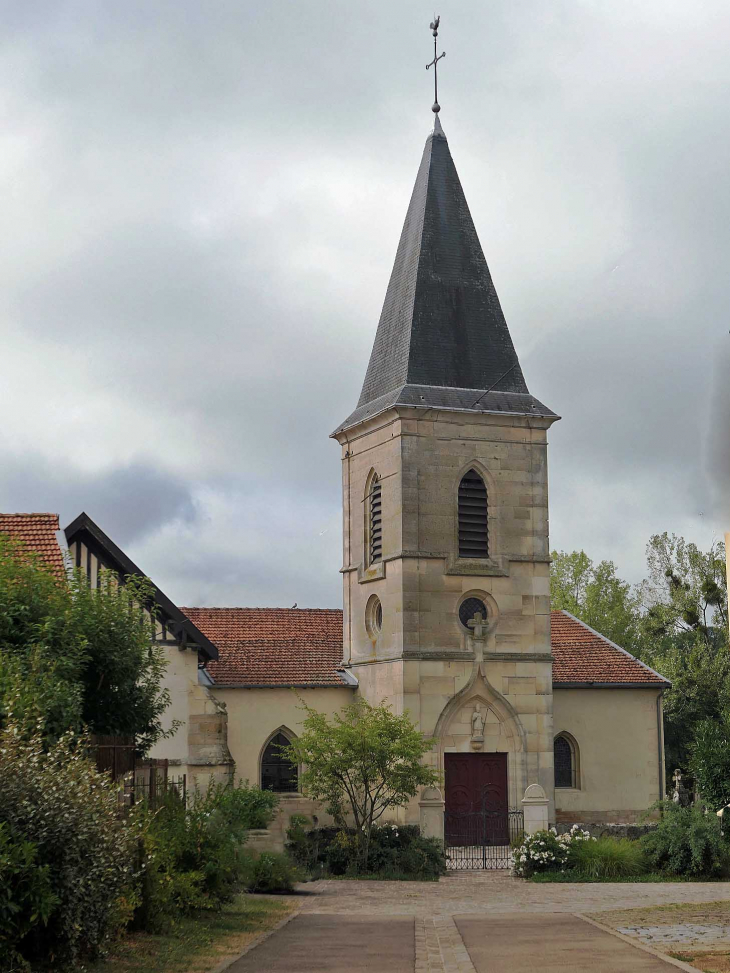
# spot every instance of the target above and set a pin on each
(273, 646)
(303, 647)
(37, 532)
(584, 656)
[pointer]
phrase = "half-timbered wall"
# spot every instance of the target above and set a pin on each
(199, 747)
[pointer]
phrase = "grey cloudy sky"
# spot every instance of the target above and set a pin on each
(200, 206)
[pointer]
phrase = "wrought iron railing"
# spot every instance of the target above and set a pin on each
(482, 838)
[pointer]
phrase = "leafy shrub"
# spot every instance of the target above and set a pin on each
(60, 804)
(546, 851)
(687, 841)
(270, 872)
(303, 843)
(710, 760)
(394, 850)
(193, 855)
(246, 806)
(26, 897)
(607, 858)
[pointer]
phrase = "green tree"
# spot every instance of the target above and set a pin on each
(700, 691)
(709, 760)
(123, 665)
(74, 656)
(686, 592)
(686, 638)
(675, 621)
(596, 595)
(361, 763)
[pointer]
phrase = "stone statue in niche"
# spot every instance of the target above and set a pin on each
(477, 728)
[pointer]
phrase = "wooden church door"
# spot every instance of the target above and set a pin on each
(476, 786)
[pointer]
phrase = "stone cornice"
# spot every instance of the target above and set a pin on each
(444, 556)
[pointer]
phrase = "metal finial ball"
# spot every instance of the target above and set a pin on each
(436, 107)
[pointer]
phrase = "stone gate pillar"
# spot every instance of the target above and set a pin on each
(535, 808)
(432, 813)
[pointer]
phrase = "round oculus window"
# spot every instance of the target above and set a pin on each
(469, 608)
(374, 616)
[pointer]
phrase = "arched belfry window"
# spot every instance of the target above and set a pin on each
(278, 773)
(473, 524)
(565, 758)
(375, 521)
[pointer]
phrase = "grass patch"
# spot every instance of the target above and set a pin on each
(708, 962)
(576, 876)
(198, 943)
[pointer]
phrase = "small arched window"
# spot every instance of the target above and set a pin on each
(278, 773)
(375, 522)
(473, 524)
(565, 761)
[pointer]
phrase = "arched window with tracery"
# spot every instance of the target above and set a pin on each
(375, 521)
(473, 516)
(278, 773)
(565, 759)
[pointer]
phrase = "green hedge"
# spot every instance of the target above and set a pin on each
(395, 851)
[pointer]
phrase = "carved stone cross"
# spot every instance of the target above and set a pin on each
(478, 626)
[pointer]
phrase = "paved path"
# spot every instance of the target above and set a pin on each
(474, 922)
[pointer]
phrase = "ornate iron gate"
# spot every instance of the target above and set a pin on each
(481, 839)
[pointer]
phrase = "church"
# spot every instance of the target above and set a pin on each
(445, 571)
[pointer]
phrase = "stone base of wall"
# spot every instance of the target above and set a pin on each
(606, 830)
(263, 840)
(274, 838)
(600, 817)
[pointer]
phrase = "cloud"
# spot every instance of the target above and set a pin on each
(127, 502)
(201, 206)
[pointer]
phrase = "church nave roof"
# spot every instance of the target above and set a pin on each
(259, 647)
(268, 647)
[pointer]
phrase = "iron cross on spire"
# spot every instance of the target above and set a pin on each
(434, 64)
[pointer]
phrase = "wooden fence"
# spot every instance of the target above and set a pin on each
(116, 755)
(141, 779)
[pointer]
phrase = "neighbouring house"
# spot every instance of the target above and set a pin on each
(199, 748)
(39, 534)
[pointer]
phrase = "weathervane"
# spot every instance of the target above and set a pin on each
(434, 64)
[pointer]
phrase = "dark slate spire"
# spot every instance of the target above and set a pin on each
(442, 340)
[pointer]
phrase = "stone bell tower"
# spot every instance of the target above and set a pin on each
(446, 552)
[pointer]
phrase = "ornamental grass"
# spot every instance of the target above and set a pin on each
(607, 858)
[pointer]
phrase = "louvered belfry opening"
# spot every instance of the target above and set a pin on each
(473, 526)
(376, 522)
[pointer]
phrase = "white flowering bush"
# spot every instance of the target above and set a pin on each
(546, 851)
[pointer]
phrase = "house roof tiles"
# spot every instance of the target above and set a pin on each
(37, 532)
